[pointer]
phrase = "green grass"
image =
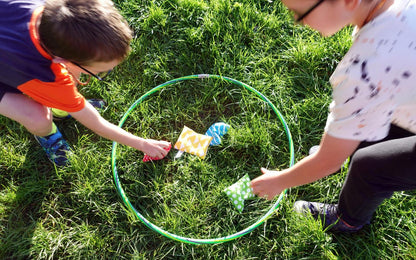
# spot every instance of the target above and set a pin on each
(76, 213)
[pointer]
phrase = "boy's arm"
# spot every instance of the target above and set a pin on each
(328, 159)
(91, 119)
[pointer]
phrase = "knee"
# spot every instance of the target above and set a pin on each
(366, 167)
(38, 121)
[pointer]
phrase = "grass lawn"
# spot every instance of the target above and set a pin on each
(76, 212)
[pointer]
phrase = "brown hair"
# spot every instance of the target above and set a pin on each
(84, 31)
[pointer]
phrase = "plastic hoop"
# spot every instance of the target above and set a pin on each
(189, 240)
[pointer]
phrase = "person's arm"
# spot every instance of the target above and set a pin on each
(91, 119)
(329, 158)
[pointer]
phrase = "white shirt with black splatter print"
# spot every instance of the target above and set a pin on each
(375, 83)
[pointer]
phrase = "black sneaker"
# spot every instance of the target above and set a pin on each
(328, 215)
(61, 115)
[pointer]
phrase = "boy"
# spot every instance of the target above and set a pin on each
(373, 114)
(44, 48)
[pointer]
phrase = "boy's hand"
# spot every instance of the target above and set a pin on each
(155, 149)
(266, 185)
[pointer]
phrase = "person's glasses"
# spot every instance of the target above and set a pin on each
(301, 17)
(100, 76)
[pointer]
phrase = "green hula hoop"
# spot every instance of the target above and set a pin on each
(189, 240)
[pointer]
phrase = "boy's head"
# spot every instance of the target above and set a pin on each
(329, 16)
(84, 31)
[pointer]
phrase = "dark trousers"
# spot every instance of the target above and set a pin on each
(376, 170)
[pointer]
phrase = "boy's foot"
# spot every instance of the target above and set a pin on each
(56, 148)
(97, 103)
(328, 215)
(60, 114)
(313, 149)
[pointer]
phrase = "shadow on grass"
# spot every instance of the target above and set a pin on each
(23, 190)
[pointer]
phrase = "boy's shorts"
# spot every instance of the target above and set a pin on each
(7, 89)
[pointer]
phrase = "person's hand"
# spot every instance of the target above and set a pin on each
(155, 149)
(267, 185)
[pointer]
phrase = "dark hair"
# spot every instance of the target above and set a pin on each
(84, 31)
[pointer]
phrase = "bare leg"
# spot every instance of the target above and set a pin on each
(36, 118)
